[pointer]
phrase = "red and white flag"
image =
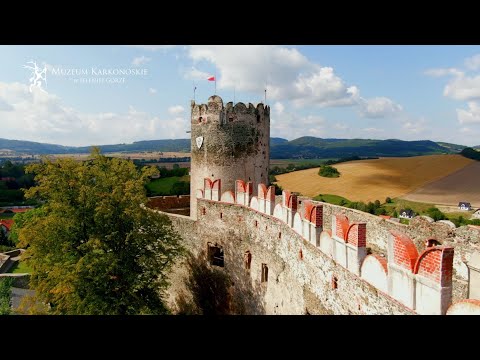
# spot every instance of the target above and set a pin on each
(211, 78)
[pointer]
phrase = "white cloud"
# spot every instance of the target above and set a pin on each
(415, 126)
(4, 106)
(470, 116)
(152, 47)
(463, 88)
(439, 72)
(291, 126)
(378, 107)
(286, 73)
(373, 130)
(176, 110)
(473, 63)
(43, 117)
(339, 126)
(324, 88)
(194, 74)
(278, 107)
(152, 91)
(140, 60)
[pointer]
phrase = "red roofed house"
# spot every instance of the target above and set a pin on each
(6, 225)
(21, 210)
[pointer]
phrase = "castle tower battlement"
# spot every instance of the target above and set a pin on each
(228, 142)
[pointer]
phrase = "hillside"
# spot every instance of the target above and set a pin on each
(170, 145)
(311, 147)
(306, 147)
(452, 147)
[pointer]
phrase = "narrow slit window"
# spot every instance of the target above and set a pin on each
(264, 273)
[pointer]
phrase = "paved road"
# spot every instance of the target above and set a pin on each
(18, 294)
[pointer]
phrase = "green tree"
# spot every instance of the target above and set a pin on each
(5, 295)
(92, 248)
(388, 200)
(180, 188)
(395, 213)
(3, 238)
(436, 214)
(328, 171)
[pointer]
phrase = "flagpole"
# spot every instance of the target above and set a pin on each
(234, 95)
(194, 88)
(215, 82)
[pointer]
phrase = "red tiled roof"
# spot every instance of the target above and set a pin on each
(20, 210)
(7, 223)
(385, 216)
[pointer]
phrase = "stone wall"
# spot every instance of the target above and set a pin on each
(465, 239)
(322, 258)
(228, 142)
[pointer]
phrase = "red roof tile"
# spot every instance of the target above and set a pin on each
(7, 223)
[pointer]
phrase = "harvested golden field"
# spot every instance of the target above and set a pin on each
(462, 185)
(369, 180)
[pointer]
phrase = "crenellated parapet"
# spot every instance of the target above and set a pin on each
(215, 112)
(421, 281)
(229, 142)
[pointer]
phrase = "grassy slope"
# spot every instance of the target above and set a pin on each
(331, 199)
(163, 186)
(20, 268)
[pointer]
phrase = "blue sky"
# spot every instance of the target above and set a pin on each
(380, 92)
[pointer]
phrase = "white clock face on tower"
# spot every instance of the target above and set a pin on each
(199, 141)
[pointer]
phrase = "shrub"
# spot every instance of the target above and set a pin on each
(328, 171)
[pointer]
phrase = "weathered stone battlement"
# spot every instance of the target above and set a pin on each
(306, 256)
(215, 112)
(421, 282)
(229, 142)
(316, 259)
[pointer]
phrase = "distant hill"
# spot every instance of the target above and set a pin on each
(30, 147)
(312, 147)
(452, 147)
(177, 145)
(306, 147)
(277, 141)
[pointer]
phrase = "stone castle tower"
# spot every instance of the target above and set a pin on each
(228, 142)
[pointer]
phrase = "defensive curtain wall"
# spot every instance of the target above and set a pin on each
(287, 255)
(291, 255)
